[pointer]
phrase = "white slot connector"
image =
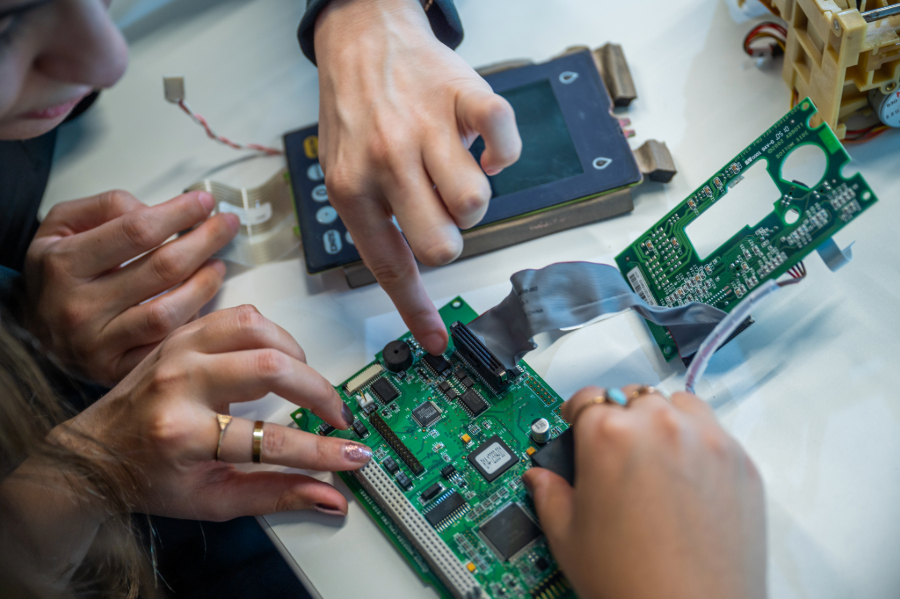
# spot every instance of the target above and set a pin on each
(173, 86)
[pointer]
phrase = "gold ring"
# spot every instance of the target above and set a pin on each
(224, 421)
(649, 390)
(257, 441)
(593, 401)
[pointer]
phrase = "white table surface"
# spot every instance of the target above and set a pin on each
(808, 389)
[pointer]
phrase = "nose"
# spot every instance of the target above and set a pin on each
(87, 48)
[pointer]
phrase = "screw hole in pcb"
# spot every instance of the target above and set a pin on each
(791, 216)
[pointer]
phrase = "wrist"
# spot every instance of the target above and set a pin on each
(343, 22)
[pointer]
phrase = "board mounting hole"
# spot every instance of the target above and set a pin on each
(866, 195)
(792, 216)
(805, 105)
(456, 304)
(805, 165)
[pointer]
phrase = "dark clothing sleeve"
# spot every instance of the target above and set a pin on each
(24, 170)
(441, 14)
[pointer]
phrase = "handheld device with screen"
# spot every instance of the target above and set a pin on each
(573, 152)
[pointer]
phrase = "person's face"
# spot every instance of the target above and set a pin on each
(52, 54)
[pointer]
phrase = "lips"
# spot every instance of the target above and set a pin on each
(54, 111)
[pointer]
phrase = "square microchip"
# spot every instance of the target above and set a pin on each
(438, 364)
(385, 390)
(426, 414)
(492, 458)
(473, 402)
(509, 531)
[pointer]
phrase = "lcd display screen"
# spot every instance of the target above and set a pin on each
(548, 153)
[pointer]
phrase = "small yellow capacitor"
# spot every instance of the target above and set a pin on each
(470, 566)
(531, 451)
(466, 438)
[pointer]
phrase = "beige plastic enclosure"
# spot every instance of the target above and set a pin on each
(835, 57)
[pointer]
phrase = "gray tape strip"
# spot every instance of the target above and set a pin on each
(568, 294)
(833, 256)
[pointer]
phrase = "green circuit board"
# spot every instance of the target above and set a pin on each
(664, 268)
(505, 563)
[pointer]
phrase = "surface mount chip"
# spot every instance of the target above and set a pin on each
(426, 414)
(445, 507)
(473, 402)
(509, 531)
(492, 458)
(438, 364)
(385, 391)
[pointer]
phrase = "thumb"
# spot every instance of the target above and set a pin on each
(493, 118)
(554, 502)
(260, 493)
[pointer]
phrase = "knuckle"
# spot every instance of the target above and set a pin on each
(139, 230)
(273, 442)
(116, 199)
(611, 427)
(471, 201)
(341, 183)
(494, 108)
(168, 263)
(168, 430)
(73, 315)
(166, 375)
(271, 363)
(393, 273)
(251, 323)
(668, 423)
(161, 319)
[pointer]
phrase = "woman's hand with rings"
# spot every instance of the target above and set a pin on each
(161, 426)
(664, 498)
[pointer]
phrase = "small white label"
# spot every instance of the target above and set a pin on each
(255, 215)
(640, 285)
(493, 458)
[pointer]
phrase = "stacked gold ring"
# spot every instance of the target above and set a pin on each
(224, 420)
(257, 441)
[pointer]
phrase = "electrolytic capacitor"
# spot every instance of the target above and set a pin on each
(540, 431)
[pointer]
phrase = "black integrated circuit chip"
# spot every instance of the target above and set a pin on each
(492, 458)
(452, 394)
(325, 429)
(438, 364)
(384, 390)
(404, 481)
(360, 429)
(558, 456)
(448, 471)
(444, 508)
(473, 402)
(444, 386)
(432, 492)
(390, 465)
(509, 531)
(426, 414)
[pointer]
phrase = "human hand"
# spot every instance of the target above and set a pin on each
(398, 111)
(90, 311)
(160, 424)
(666, 503)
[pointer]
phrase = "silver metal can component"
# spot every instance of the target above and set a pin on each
(540, 431)
(886, 106)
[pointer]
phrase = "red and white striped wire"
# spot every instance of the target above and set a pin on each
(222, 139)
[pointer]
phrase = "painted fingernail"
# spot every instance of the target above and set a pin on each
(329, 510)
(347, 415)
(207, 200)
(356, 452)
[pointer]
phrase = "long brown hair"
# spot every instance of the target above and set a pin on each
(115, 565)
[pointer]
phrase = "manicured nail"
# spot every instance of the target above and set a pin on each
(356, 452)
(347, 415)
(207, 200)
(329, 510)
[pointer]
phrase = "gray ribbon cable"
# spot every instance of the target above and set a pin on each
(568, 294)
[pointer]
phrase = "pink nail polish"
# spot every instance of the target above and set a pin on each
(357, 453)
